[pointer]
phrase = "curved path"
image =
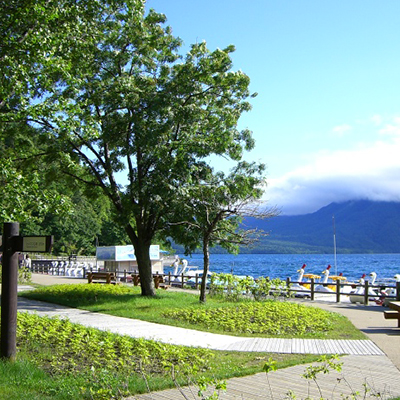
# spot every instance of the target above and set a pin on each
(187, 337)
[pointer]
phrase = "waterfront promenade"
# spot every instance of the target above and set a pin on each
(374, 364)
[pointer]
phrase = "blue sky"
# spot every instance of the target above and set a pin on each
(327, 116)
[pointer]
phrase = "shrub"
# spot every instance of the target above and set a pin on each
(24, 275)
(233, 287)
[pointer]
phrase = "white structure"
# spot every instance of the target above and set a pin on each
(298, 287)
(321, 287)
(122, 258)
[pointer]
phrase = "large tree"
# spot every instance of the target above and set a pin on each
(140, 118)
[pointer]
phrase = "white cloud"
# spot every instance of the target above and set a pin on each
(341, 130)
(391, 129)
(377, 119)
(366, 172)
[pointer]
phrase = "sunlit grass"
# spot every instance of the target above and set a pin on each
(60, 360)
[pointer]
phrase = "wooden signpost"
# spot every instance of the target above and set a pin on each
(12, 244)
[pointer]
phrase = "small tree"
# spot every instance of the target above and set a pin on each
(216, 207)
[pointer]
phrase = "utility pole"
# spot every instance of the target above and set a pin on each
(334, 243)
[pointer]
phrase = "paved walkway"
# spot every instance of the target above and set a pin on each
(373, 362)
(186, 337)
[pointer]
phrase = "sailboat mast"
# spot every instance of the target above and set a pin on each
(334, 243)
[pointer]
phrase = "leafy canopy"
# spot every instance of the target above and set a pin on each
(120, 108)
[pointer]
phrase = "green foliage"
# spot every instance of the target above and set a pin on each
(22, 196)
(67, 343)
(204, 385)
(108, 91)
(74, 232)
(60, 360)
(269, 366)
(214, 209)
(24, 275)
(234, 287)
(81, 294)
(326, 364)
(101, 358)
(270, 318)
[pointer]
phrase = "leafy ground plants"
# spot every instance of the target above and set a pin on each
(104, 364)
(272, 318)
(61, 360)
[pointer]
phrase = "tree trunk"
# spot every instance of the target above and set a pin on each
(206, 259)
(145, 271)
(142, 254)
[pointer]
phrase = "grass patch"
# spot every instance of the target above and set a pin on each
(57, 359)
(243, 318)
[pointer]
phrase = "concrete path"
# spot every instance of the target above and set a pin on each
(186, 337)
(374, 363)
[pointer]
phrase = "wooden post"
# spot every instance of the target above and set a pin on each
(366, 288)
(338, 291)
(9, 292)
(197, 281)
(398, 291)
(312, 288)
(288, 286)
(182, 280)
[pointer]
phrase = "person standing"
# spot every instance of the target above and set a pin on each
(28, 262)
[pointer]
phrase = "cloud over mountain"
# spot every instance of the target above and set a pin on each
(371, 171)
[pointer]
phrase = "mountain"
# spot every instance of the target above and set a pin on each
(361, 227)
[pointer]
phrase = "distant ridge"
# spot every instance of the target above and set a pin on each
(361, 227)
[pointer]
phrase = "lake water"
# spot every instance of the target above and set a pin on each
(353, 266)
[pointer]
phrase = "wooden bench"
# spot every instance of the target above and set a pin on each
(160, 283)
(108, 277)
(392, 314)
(136, 280)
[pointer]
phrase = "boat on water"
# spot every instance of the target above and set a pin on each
(322, 286)
(190, 272)
(299, 288)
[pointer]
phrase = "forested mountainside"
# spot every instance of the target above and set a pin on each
(361, 227)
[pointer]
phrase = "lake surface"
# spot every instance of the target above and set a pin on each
(353, 266)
